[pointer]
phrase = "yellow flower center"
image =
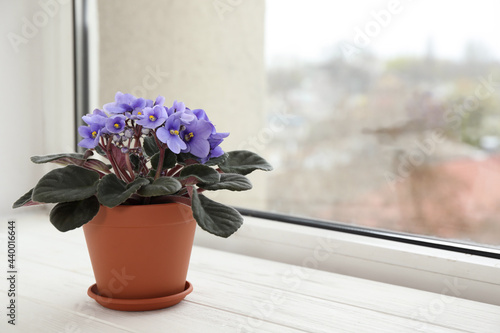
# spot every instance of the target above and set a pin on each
(174, 132)
(139, 113)
(188, 136)
(94, 134)
(116, 125)
(152, 118)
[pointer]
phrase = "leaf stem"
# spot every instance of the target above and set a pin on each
(162, 156)
(175, 170)
(110, 157)
(160, 163)
(119, 173)
(129, 166)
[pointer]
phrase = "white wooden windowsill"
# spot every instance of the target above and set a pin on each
(232, 293)
(407, 265)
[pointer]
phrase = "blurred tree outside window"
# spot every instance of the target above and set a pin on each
(386, 114)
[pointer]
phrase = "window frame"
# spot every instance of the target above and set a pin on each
(405, 238)
(441, 271)
(439, 259)
(81, 64)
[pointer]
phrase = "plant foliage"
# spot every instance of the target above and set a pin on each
(155, 154)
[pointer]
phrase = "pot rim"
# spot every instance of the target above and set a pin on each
(120, 217)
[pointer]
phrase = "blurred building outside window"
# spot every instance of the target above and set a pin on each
(386, 114)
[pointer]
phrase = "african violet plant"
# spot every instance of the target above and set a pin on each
(156, 154)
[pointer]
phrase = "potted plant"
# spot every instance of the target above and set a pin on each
(139, 202)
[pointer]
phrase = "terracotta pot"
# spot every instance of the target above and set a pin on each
(140, 254)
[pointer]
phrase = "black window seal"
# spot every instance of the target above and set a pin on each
(406, 238)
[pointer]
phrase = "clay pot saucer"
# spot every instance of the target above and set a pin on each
(139, 304)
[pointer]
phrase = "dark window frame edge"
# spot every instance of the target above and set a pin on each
(80, 65)
(406, 238)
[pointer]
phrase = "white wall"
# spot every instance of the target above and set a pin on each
(36, 90)
(208, 54)
(196, 51)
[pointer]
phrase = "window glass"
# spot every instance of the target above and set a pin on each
(386, 114)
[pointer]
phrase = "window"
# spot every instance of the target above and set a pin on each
(390, 113)
(323, 115)
(373, 114)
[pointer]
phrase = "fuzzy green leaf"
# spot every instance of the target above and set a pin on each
(25, 200)
(96, 165)
(161, 186)
(184, 158)
(169, 160)
(244, 162)
(229, 181)
(113, 191)
(150, 147)
(214, 217)
(71, 215)
(71, 183)
(64, 159)
(73, 159)
(217, 160)
(100, 151)
(135, 161)
(203, 173)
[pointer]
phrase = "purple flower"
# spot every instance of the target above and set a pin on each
(180, 110)
(90, 135)
(186, 117)
(125, 103)
(96, 117)
(152, 117)
(170, 134)
(215, 140)
(201, 114)
(115, 124)
(196, 135)
(136, 114)
(158, 101)
(176, 107)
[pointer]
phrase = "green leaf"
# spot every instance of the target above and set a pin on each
(244, 162)
(229, 181)
(216, 160)
(214, 217)
(71, 183)
(203, 173)
(161, 186)
(113, 191)
(135, 161)
(169, 160)
(96, 165)
(100, 151)
(64, 159)
(25, 200)
(150, 147)
(184, 158)
(73, 159)
(71, 215)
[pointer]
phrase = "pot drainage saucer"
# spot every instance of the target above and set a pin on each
(145, 304)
